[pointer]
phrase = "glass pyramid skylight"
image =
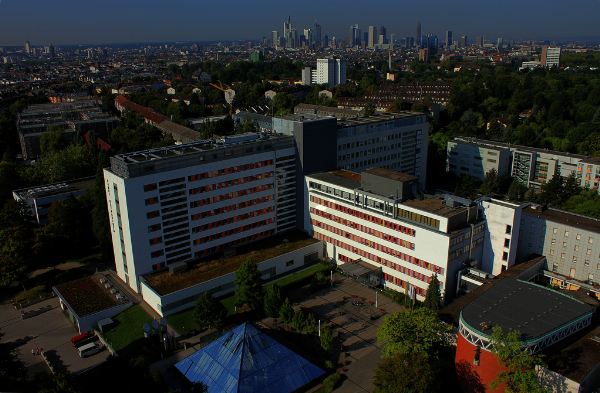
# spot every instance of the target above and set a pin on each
(247, 360)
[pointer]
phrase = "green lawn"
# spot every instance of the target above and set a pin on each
(183, 321)
(128, 333)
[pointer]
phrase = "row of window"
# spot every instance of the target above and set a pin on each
(397, 281)
(219, 198)
(378, 247)
(233, 231)
(233, 243)
(555, 230)
(362, 228)
(221, 210)
(227, 171)
(364, 216)
(231, 220)
(235, 182)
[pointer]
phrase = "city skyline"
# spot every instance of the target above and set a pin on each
(67, 22)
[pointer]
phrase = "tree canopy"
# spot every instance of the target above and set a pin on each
(248, 285)
(209, 311)
(407, 373)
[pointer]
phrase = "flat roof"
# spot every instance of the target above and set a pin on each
(565, 218)
(337, 178)
(577, 360)
(434, 205)
(591, 160)
(54, 189)
(517, 305)
(211, 267)
(479, 142)
(389, 174)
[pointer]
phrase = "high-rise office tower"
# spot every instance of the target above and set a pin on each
(51, 51)
(500, 45)
(27, 47)
(418, 35)
(274, 38)
(480, 41)
(317, 35)
(383, 32)
(430, 42)
(372, 34)
(308, 33)
(449, 38)
(409, 42)
(392, 38)
(464, 41)
(325, 41)
(354, 38)
(365, 39)
(287, 29)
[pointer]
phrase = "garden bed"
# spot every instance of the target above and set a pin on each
(212, 267)
(128, 332)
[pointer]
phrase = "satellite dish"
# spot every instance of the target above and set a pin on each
(146, 327)
(155, 324)
(229, 94)
(163, 322)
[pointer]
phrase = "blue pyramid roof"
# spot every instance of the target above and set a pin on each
(246, 360)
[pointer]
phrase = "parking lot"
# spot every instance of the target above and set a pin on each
(52, 331)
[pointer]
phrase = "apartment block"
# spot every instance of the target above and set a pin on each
(184, 202)
(550, 56)
(366, 219)
(532, 166)
(588, 173)
(330, 70)
(570, 242)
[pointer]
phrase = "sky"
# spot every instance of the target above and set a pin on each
(64, 22)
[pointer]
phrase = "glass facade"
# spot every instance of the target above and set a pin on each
(247, 360)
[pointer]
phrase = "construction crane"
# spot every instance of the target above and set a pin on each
(229, 94)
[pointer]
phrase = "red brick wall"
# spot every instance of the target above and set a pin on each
(475, 379)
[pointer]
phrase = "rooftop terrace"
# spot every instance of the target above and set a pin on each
(206, 269)
(87, 295)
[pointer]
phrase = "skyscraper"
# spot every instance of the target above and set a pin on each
(274, 38)
(410, 42)
(317, 35)
(27, 47)
(550, 56)
(449, 38)
(430, 42)
(372, 34)
(500, 44)
(464, 41)
(383, 32)
(352, 36)
(418, 34)
(480, 41)
(51, 51)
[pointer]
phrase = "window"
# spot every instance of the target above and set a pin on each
(508, 229)
(529, 246)
(590, 276)
(591, 240)
(505, 256)
(562, 255)
(555, 230)
(553, 241)
(551, 252)
(576, 248)
(151, 201)
(564, 244)
(578, 237)
(289, 263)
(573, 271)
(589, 251)
(586, 262)
(533, 224)
(158, 266)
(555, 268)
(491, 160)
(531, 235)
(566, 233)
(506, 242)
(153, 214)
(574, 258)
(156, 254)
(150, 187)
(154, 228)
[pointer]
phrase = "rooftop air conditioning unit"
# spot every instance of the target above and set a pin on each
(178, 267)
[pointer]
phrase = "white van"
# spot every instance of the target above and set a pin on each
(89, 349)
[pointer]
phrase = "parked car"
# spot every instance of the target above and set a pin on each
(89, 349)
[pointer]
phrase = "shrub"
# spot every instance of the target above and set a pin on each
(329, 364)
(330, 382)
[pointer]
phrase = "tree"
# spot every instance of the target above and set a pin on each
(61, 382)
(273, 300)
(413, 331)
(248, 284)
(209, 311)
(53, 140)
(326, 337)
(570, 188)
(552, 192)
(286, 312)
(13, 373)
(311, 324)
(517, 190)
(100, 215)
(433, 296)
(16, 214)
(520, 374)
(16, 254)
(466, 187)
(410, 373)
(246, 126)
(284, 103)
(299, 319)
(369, 109)
(491, 182)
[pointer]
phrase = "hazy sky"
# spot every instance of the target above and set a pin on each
(106, 21)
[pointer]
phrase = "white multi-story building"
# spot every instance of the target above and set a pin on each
(368, 217)
(183, 202)
(550, 56)
(332, 71)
